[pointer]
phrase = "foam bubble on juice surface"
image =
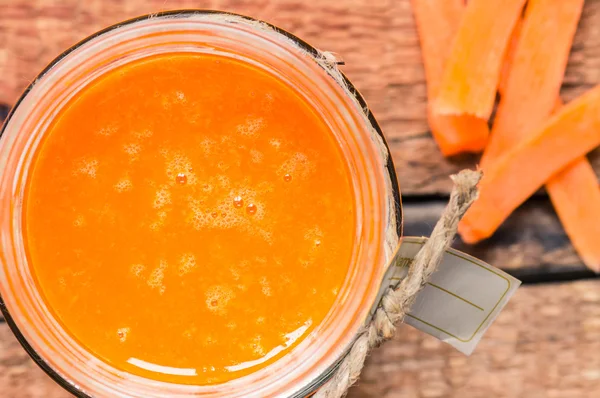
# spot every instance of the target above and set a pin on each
(275, 143)
(226, 139)
(173, 98)
(235, 273)
(265, 286)
(207, 145)
(123, 185)
(199, 215)
(314, 236)
(304, 263)
(267, 102)
(218, 297)
(62, 282)
(256, 156)
(106, 131)
(132, 150)
(297, 165)
(223, 166)
(156, 278)
(162, 197)
(79, 221)
(143, 134)
(253, 205)
(251, 126)
(210, 340)
(207, 187)
(122, 334)
(137, 269)
(187, 263)
(190, 332)
(86, 166)
(285, 279)
(223, 181)
(177, 164)
(180, 96)
(257, 347)
(226, 215)
(161, 217)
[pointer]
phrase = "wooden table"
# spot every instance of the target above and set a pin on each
(545, 344)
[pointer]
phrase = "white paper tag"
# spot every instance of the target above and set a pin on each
(460, 301)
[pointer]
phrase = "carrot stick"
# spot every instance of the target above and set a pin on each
(545, 40)
(455, 134)
(437, 23)
(509, 181)
(473, 68)
(509, 55)
(575, 194)
(537, 71)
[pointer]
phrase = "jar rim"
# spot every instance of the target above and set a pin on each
(393, 202)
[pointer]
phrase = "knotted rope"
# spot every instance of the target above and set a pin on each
(396, 302)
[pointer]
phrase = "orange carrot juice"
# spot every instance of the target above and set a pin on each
(189, 218)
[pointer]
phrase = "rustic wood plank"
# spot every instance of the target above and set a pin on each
(20, 377)
(531, 240)
(376, 38)
(546, 343)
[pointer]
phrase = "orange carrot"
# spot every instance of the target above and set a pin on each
(575, 194)
(546, 37)
(509, 55)
(509, 181)
(537, 71)
(455, 134)
(473, 68)
(437, 23)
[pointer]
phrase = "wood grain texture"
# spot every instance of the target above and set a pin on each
(545, 344)
(376, 38)
(530, 240)
(20, 377)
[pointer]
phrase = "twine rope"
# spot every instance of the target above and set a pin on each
(396, 302)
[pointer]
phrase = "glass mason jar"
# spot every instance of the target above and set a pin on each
(314, 76)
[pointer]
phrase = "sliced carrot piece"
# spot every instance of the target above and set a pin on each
(546, 37)
(509, 55)
(537, 72)
(456, 134)
(473, 68)
(575, 194)
(437, 23)
(509, 181)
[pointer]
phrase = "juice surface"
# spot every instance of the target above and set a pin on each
(189, 218)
